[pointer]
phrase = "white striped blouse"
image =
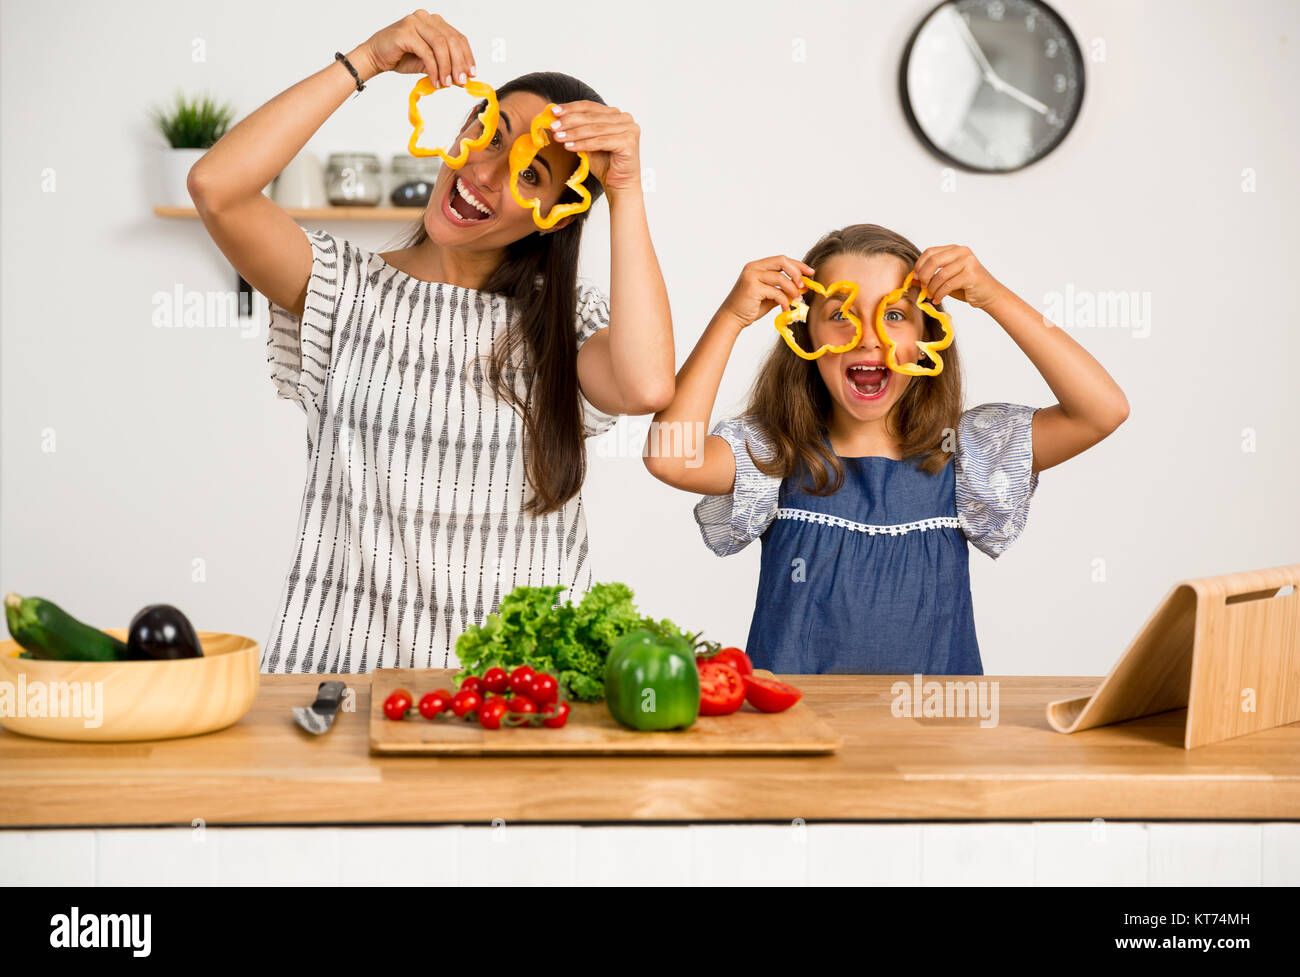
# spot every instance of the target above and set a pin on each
(412, 526)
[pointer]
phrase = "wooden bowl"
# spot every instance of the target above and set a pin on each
(130, 700)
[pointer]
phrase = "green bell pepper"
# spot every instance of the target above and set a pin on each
(652, 681)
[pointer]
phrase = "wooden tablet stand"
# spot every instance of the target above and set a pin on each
(1213, 645)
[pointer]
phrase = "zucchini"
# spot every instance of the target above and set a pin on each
(47, 631)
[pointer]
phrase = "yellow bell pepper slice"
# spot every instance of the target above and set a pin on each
(798, 312)
(930, 348)
(522, 154)
(489, 117)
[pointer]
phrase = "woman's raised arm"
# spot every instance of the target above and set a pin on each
(257, 236)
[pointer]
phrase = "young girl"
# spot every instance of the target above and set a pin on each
(448, 385)
(842, 466)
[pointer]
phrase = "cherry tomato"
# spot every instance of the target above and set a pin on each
(543, 689)
(521, 707)
(555, 714)
(521, 679)
(472, 683)
(769, 695)
(464, 702)
(736, 658)
(496, 680)
(435, 702)
(722, 689)
(395, 705)
(492, 712)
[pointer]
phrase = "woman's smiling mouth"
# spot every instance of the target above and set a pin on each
(463, 205)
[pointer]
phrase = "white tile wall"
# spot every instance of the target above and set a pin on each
(1205, 854)
(749, 854)
(398, 856)
(517, 854)
(253, 856)
(1280, 853)
(635, 855)
(47, 857)
(159, 856)
(844, 854)
(1090, 853)
(1015, 853)
(977, 854)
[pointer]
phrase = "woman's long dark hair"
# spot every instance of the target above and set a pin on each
(539, 275)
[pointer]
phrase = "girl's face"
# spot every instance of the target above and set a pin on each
(860, 384)
(452, 217)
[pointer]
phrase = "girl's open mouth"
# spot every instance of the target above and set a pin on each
(868, 381)
(463, 205)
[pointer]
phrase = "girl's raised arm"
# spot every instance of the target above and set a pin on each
(256, 235)
(1091, 404)
(710, 468)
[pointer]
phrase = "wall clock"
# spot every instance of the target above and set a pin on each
(992, 85)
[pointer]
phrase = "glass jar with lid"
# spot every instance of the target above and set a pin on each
(412, 179)
(353, 179)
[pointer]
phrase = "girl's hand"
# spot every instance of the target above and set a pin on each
(422, 43)
(954, 270)
(763, 285)
(610, 138)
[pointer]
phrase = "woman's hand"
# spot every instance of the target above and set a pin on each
(610, 138)
(954, 270)
(763, 285)
(422, 43)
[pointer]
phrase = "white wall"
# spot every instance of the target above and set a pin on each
(171, 445)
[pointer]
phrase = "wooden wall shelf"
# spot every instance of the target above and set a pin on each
(318, 213)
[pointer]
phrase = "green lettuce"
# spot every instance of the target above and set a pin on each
(571, 641)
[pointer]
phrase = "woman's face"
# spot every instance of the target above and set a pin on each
(453, 220)
(858, 380)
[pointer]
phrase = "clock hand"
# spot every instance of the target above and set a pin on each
(992, 77)
(985, 68)
(1008, 89)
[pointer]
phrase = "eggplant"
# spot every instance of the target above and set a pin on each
(161, 632)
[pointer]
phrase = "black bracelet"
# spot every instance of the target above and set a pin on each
(351, 70)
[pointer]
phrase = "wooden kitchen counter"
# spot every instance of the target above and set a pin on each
(265, 770)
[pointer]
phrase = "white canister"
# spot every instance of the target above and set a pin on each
(301, 183)
(176, 165)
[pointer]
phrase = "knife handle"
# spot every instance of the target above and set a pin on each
(328, 695)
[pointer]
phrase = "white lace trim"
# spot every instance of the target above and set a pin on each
(921, 525)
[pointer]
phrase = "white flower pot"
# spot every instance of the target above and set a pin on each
(176, 165)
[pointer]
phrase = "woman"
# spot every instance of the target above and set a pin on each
(448, 385)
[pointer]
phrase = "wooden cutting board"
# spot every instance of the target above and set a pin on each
(590, 729)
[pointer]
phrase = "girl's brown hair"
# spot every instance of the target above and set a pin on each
(791, 404)
(540, 277)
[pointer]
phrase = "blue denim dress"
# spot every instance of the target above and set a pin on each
(874, 578)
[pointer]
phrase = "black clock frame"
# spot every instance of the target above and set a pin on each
(952, 161)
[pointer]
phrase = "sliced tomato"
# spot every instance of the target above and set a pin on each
(769, 695)
(722, 689)
(736, 658)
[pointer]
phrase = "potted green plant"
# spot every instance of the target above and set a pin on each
(191, 127)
